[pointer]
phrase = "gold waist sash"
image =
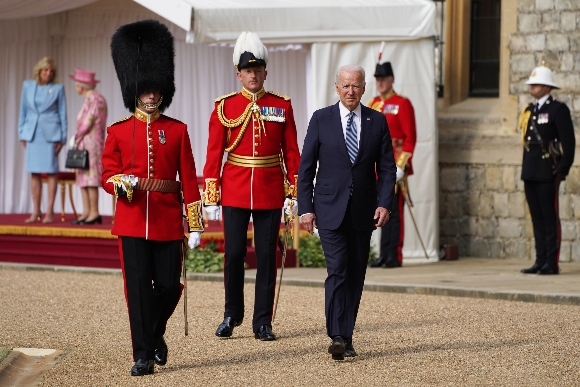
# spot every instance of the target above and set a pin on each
(254, 161)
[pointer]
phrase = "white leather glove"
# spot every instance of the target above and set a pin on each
(213, 212)
(130, 179)
(72, 143)
(194, 239)
(400, 174)
(290, 207)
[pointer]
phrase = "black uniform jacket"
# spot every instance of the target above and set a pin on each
(553, 122)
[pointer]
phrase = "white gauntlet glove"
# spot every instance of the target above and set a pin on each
(124, 185)
(194, 239)
(213, 212)
(290, 207)
(400, 174)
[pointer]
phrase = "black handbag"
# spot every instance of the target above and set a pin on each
(77, 159)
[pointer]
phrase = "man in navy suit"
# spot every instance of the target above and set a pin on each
(347, 146)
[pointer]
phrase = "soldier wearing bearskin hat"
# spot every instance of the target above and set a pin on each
(401, 119)
(143, 154)
(256, 128)
(549, 146)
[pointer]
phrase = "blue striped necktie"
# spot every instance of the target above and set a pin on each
(351, 140)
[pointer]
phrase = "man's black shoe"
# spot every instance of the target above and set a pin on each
(349, 349)
(265, 333)
(226, 328)
(380, 262)
(532, 270)
(391, 264)
(337, 348)
(143, 367)
(548, 270)
(161, 352)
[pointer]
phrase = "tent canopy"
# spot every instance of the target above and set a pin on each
(299, 21)
(323, 34)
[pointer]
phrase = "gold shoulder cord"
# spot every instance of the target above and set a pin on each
(244, 119)
(524, 118)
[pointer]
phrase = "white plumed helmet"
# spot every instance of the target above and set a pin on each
(542, 76)
(249, 51)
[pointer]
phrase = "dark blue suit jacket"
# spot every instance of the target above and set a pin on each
(325, 149)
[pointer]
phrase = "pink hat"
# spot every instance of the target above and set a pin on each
(84, 76)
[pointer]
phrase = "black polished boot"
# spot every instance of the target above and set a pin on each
(532, 270)
(548, 269)
(380, 262)
(226, 328)
(143, 367)
(265, 333)
(161, 352)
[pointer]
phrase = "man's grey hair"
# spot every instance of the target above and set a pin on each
(350, 68)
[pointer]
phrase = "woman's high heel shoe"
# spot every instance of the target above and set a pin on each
(98, 220)
(78, 221)
(33, 218)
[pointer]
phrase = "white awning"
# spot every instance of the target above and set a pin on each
(299, 21)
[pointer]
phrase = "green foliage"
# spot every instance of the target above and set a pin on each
(310, 252)
(3, 353)
(373, 256)
(206, 258)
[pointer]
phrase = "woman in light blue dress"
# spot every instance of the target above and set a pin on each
(42, 130)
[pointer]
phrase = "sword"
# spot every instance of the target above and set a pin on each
(288, 220)
(409, 205)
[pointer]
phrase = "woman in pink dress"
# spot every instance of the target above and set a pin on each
(90, 135)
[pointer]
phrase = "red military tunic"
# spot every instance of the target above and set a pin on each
(162, 152)
(275, 133)
(401, 119)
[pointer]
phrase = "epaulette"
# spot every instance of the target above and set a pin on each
(121, 120)
(172, 119)
(284, 97)
(219, 99)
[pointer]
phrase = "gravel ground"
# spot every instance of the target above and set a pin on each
(402, 340)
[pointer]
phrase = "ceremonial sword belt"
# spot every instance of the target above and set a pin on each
(254, 161)
(158, 185)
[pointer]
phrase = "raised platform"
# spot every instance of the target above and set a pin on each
(61, 243)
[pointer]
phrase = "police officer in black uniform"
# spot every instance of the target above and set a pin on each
(547, 130)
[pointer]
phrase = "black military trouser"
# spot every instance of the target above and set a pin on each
(266, 225)
(151, 271)
(542, 198)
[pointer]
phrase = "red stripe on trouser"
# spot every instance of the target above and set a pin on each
(558, 224)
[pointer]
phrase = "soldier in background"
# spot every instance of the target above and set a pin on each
(401, 119)
(257, 130)
(143, 154)
(547, 131)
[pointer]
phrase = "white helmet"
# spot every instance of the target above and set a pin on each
(542, 76)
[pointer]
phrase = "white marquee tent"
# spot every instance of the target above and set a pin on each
(307, 39)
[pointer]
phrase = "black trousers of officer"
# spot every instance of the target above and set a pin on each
(266, 230)
(542, 198)
(391, 242)
(151, 270)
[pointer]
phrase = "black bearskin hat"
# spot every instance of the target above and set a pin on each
(384, 70)
(143, 55)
